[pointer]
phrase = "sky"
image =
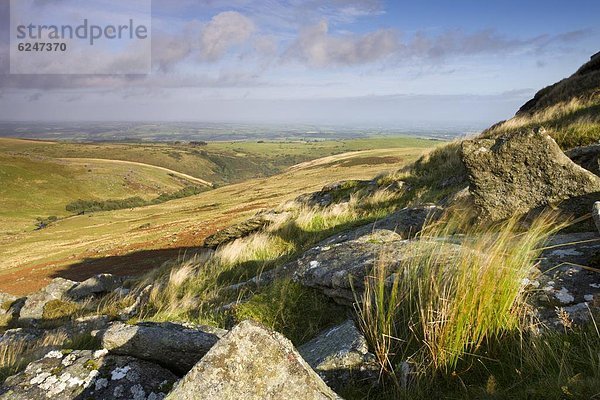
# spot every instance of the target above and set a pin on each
(335, 62)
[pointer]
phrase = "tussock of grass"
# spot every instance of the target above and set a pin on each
(445, 302)
(432, 177)
(57, 312)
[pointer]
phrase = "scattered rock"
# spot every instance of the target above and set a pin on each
(94, 286)
(10, 307)
(518, 172)
(88, 375)
(587, 157)
(252, 363)
(33, 309)
(243, 229)
(341, 355)
(596, 214)
(140, 302)
(174, 346)
(566, 292)
(335, 193)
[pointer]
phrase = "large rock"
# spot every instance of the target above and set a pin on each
(174, 346)
(519, 172)
(95, 286)
(337, 266)
(33, 309)
(88, 375)
(252, 363)
(341, 355)
(403, 223)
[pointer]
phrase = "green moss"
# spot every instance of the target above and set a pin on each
(57, 370)
(299, 313)
(6, 305)
(91, 365)
(57, 312)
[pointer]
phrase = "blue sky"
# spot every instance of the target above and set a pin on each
(368, 62)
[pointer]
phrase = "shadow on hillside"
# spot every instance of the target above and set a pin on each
(131, 264)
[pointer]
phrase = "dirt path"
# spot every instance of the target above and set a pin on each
(170, 171)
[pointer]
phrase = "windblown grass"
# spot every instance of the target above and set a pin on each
(572, 123)
(208, 288)
(444, 302)
(15, 354)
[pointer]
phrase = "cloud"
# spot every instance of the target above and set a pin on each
(224, 31)
(316, 47)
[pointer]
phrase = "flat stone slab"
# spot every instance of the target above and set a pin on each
(175, 346)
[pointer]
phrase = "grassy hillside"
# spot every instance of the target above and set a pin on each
(218, 162)
(38, 178)
(42, 187)
(134, 240)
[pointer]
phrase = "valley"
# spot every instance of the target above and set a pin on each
(134, 240)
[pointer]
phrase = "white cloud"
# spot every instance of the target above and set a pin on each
(318, 48)
(224, 31)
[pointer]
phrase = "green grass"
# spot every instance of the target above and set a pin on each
(219, 162)
(196, 289)
(297, 312)
(87, 206)
(32, 188)
(456, 317)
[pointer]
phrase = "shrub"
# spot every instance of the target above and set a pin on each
(86, 206)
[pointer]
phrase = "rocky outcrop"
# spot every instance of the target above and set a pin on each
(338, 266)
(336, 192)
(519, 172)
(33, 309)
(252, 363)
(174, 346)
(401, 224)
(88, 375)
(95, 286)
(340, 355)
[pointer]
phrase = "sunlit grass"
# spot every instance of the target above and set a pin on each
(445, 301)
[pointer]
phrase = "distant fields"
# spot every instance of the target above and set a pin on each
(218, 162)
(37, 180)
